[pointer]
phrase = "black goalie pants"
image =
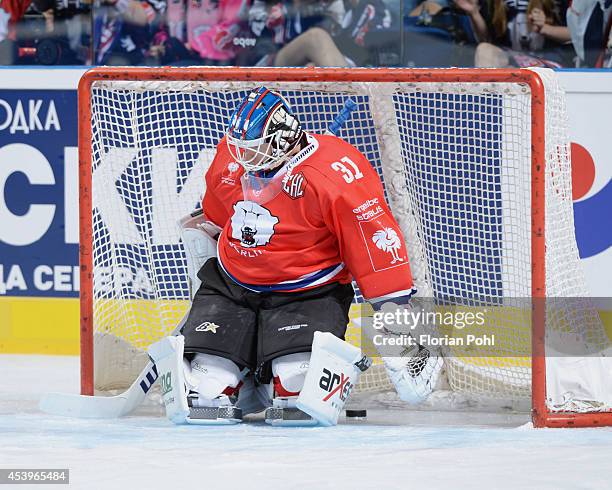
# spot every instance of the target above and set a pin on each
(253, 328)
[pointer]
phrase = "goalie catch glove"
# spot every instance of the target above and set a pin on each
(413, 369)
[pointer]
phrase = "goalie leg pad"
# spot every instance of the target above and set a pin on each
(334, 371)
(211, 376)
(168, 357)
(175, 377)
(289, 373)
(214, 383)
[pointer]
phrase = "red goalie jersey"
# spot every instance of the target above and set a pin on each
(329, 222)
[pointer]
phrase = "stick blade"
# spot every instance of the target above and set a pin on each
(85, 407)
(101, 407)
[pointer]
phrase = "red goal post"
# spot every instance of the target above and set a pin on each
(541, 414)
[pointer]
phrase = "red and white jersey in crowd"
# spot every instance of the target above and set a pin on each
(10, 12)
(208, 26)
(328, 222)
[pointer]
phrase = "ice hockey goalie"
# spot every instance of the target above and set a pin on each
(298, 217)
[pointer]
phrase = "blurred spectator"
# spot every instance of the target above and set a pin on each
(590, 25)
(315, 47)
(367, 32)
(519, 32)
(68, 32)
(208, 27)
(48, 32)
(292, 33)
(124, 30)
(11, 11)
(437, 33)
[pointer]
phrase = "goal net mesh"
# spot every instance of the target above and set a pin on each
(455, 161)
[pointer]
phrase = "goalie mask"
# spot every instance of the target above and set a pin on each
(262, 131)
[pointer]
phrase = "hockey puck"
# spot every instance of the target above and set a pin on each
(359, 414)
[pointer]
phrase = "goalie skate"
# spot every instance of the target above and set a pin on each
(281, 414)
(225, 415)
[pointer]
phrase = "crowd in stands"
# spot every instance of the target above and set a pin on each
(482, 33)
(45, 32)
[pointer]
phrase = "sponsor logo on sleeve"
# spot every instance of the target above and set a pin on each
(368, 210)
(385, 246)
(387, 240)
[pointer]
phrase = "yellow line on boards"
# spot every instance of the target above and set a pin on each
(34, 325)
(39, 325)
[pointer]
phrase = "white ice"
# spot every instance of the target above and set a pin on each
(395, 449)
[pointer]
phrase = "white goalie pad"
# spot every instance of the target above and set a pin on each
(176, 375)
(200, 244)
(335, 367)
(210, 375)
(167, 354)
(291, 370)
(289, 373)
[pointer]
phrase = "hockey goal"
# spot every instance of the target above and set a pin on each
(476, 169)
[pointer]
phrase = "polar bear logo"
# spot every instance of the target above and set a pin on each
(252, 224)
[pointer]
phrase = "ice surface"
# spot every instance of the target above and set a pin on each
(395, 449)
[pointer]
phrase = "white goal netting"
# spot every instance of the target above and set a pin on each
(455, 160)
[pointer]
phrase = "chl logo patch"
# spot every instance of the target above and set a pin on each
(252, 224)
(295, 185)
(207, 327)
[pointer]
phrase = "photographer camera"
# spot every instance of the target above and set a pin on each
(67, 32)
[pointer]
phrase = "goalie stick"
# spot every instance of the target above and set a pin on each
(336, 125)
(101, 407)
(105, 407)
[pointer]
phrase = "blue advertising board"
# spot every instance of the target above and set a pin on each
(39, 204)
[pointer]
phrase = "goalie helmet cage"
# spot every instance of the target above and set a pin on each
(113, 121)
